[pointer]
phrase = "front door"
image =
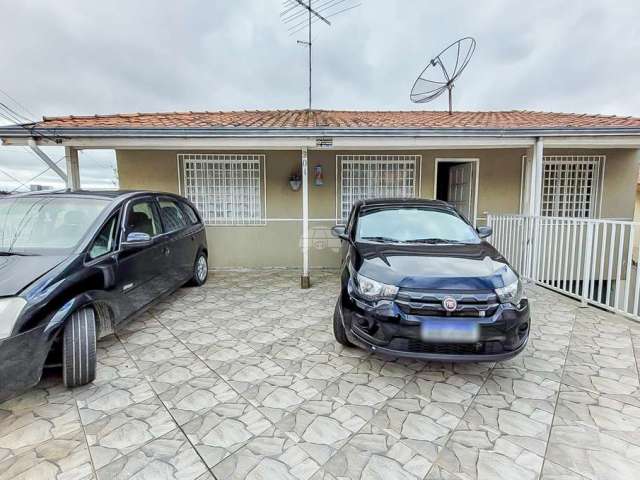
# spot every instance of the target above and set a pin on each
(461, 191)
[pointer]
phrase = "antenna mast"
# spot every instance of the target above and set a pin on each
(311, 12)
(294, 11)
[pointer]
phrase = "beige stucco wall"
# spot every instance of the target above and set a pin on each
(278, 244)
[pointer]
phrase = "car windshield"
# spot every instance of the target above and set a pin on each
(32, 225)
(413, 225)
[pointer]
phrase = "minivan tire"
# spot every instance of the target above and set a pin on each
(200, 271)
(79, 349)
(338, 327)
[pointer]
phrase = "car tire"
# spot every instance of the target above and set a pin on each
(79, 349)
(200, 271)
(338, 327)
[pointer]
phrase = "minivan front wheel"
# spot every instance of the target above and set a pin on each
(338, 327)
(79, 349)
(200, 270)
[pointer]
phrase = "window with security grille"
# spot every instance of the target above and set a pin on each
(375, 176)
(571, 185)
(227, 189)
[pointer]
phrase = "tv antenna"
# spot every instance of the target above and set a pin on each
(442, 71)
(300, 15)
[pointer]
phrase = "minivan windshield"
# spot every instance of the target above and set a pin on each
(45, 224)
(413, 225)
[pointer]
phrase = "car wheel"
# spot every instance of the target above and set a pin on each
(79, 349)
(338, 327)
(200, 271)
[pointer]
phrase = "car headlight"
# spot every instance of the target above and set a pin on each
(10, 309)
(512, 293)
(372, 289)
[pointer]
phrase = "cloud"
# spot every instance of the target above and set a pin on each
(78, 57)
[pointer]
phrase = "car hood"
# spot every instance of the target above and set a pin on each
(454, 267)
(18, 272)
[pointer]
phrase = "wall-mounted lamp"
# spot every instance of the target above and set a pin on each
(318, 180)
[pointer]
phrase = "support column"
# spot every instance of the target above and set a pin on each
(73, 168)
(534, 208)
(535, 201)
(305, 282)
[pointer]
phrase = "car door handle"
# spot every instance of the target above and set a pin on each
(166, 251)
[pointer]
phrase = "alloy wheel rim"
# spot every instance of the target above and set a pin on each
(202, 268)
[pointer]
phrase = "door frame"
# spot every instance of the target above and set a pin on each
(476, 164)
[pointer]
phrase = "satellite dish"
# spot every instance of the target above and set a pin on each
(442, 71)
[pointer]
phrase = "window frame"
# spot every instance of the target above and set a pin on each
(380, 159)
(118, 237)
(176, 202)
(558, 193)
(183, 159)
(128, 208)
(186, 208)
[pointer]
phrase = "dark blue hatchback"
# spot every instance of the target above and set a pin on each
(419, 281)
(75, 265)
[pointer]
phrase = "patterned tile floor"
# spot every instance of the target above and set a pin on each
(242, 379)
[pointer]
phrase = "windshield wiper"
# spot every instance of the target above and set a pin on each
(382, 239)
(6, 253)
(435, 241)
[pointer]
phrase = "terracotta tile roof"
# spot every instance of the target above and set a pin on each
(344, 119)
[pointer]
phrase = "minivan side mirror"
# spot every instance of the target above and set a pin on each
(340, 231)
(484, 232)
(137, 240)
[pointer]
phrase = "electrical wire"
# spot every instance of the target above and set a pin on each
(17, 103)
(38, 175)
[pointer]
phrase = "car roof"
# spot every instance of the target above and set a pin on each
(403, 202)
(106, 194)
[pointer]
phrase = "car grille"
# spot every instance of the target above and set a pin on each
(429, 303)
(417, 346)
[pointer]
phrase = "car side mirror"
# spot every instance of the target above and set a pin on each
(484, 232)
(340, 231)
(137, 240)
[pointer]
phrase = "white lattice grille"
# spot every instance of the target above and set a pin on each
(375, 176)
(226, 188)
(571, 185)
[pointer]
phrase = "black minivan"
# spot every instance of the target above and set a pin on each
(419, 281)
(75, 265)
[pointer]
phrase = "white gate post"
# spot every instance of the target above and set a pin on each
(305, 282)
(535, 207)
(586, 269)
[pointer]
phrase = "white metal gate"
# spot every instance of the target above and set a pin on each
(592, 260)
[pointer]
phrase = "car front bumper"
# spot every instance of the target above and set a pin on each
(22, 358)
(387, 330)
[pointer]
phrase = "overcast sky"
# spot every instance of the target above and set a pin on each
(84, 57)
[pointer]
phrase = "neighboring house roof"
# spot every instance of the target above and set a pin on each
(334, 119)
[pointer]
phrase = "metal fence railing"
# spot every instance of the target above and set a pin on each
(592, 260)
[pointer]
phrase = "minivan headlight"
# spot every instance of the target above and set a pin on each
(512, 293)
(10, 309)
(372, 289)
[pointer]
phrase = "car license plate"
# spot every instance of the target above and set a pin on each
(454, 331)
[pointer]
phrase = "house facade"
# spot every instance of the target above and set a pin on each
(271, 184)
